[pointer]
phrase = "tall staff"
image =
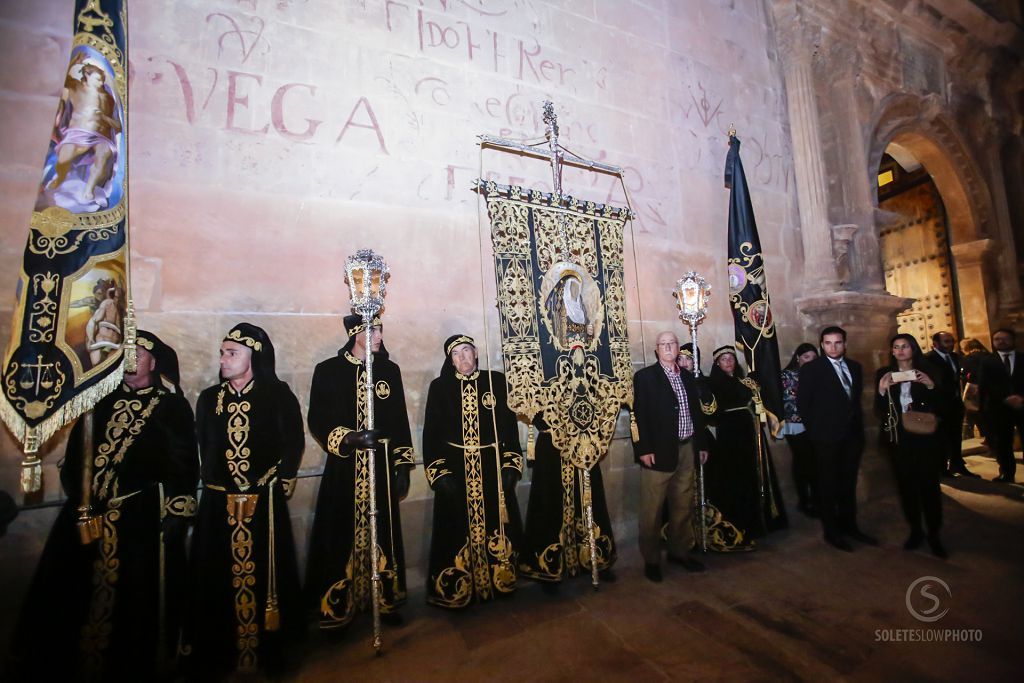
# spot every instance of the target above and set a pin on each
(366, 275)
(586, 495)
(692, 293)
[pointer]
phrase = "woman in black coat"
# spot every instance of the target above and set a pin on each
(917, 459)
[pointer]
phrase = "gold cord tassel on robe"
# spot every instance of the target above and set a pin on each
(634, 431)
(531, 447)
(271, 614)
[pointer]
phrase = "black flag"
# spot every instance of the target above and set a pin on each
(748, 287)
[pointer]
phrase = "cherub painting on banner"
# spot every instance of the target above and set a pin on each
(85, 166)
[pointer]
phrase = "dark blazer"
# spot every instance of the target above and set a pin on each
(996, 384)
(949, 379)
(827, 412)
(656, 409)
(928, 400)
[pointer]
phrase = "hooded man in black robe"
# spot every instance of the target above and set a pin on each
(338, 576)
(246, 607)
(477, 528)
(110, 608)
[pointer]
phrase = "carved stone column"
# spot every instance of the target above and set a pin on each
(977, 297)
(869, 315)
(796, 51)
(859, 186)
(1010, 301)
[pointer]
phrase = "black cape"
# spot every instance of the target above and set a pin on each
(338, 572)
(242, 549)
(556, 543)
(474, 547)
(111, 609)
(740, 477)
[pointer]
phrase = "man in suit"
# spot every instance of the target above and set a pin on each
(945, 359)
(670, 427)
(828, 401)
(1002, 399)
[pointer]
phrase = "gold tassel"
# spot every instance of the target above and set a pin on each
(271, 617)
(634, 431)
(503, 513)
(31, 474)
(531, 446)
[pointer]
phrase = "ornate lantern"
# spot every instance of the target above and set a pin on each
(366, 275)
(692, 294)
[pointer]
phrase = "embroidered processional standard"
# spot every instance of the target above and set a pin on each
(72, 317)
(562, 308)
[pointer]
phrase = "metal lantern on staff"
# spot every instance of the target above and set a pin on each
(366, 275)
(692, 294)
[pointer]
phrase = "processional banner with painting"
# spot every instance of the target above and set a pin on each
(72, 322)
(562, 309)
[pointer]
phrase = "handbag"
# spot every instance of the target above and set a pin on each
(919, 422)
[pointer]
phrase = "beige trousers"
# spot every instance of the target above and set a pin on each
(677, 487)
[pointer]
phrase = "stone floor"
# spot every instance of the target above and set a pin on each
(794, 610)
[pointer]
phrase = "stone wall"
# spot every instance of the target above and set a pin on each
(270, 139)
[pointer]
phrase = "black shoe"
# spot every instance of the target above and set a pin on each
(607, 575)
(950, 474)
(859, 535)
(970, 475)
(914, 541)
(1004, 479)
(938, 550)
(687, 563)
(839, 542)
(392, 618)
(652, 572)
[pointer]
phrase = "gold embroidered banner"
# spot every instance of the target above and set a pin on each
(562, 307)
(72, 320)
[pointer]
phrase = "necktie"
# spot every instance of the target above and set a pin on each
(1006, 362)
(845, 377)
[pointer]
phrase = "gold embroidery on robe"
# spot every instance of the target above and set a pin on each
(241, 508)
(335, 438)
(453, 586)
(97, 630)
(237, 454)
(125, 423)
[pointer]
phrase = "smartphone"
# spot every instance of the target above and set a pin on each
(904, 376)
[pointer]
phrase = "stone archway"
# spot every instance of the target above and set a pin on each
(921, 126)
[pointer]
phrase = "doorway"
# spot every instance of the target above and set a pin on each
(914, 244)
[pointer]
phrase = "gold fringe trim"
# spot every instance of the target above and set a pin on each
(31, 438)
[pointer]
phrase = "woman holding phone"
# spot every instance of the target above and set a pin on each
(909, 408)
